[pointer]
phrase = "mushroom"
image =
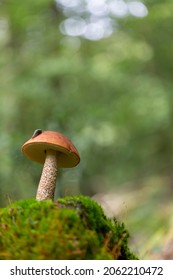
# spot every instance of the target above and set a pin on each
(55, 151)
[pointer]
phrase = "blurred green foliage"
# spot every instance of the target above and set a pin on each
(112, 97)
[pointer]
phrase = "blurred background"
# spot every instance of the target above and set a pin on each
(100, 72)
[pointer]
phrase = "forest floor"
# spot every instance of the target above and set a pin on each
(146, 208)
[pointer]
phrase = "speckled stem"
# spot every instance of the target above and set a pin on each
(47, 184)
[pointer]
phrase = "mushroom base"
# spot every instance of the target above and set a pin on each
(47, 184)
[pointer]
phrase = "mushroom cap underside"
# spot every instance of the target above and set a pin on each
(35, 149)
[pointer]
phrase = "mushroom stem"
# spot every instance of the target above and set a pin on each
(47, 184)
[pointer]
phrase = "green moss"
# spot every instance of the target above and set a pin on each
(71, 228)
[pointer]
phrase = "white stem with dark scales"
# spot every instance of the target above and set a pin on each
(47, 184)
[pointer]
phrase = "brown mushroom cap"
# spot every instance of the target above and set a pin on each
(35, 148)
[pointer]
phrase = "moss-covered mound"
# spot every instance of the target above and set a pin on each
(71, 228)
